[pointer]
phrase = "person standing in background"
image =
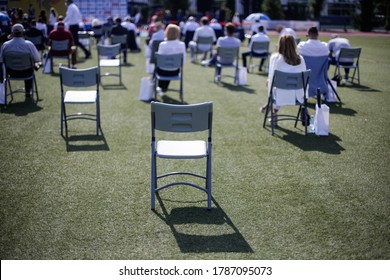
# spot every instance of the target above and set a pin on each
(72, 19)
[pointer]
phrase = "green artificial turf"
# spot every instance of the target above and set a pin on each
(287, 196)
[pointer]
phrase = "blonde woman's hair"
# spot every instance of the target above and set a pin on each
(172, 32)
(288, 48)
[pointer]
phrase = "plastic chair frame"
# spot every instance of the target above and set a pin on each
(287, 81)
(120, 39)
(38, 42)
(223, 52)
(173, 61)
(258, 46)
(79, 78)
(18, 61)
(203, 40)
(349, 53)
(59, 46)
(83, 35)
(181, 119)
(153, 50)
(112, 58)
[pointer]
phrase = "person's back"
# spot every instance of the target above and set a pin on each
(228, 41)
(61, 34)
(313, 46)
(336, 44)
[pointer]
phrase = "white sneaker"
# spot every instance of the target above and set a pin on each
(217, 78)
(205, 63)
(159, 91)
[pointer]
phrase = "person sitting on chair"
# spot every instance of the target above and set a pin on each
(205, 31)
(19, 45)
(33, 31)
(119, 30)
(313, 46)
(228, 41)
(335, 45)
(286, 59)
(62, 34)
(171, 45)
(260, 36)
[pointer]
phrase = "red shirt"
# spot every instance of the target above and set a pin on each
(61, 34)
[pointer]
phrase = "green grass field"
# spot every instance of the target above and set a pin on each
(287, 196)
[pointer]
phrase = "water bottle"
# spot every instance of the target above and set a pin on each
(311, 127)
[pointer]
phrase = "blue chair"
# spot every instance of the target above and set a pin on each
(294, 86)
(178, 120)
(319, 76)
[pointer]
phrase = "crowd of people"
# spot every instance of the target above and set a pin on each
(288, 56)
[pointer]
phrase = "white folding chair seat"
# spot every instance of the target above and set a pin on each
(78, 87)
(349, 58)
(19, 62)
(110, 57)
(169, 61)
(289, 84)
(226, 54)
(181, 119)
(258, 50)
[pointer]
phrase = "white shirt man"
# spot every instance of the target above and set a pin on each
(313, 46)
(204, 31)
(258, 37)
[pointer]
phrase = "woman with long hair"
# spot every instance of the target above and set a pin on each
(286, 59)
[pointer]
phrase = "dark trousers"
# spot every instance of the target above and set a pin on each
(21, 74)
(332, 60)
(75, 29)
(164, 84)
(245, 54)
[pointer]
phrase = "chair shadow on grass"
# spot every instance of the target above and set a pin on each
(311, 142)
(21, 108)
(166, 99)
(85, 143)
(336, 108)
(361, 88)
(222, 235)
(238, 88)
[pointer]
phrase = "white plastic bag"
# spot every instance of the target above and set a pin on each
(321, 120)
(242, 79)
(149, 67)
(146, 89)
(331, 97)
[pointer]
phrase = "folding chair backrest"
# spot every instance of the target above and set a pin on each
(318, 75)
(79, 77)
(205, 40)
(181, 118)
(97, 31)
(154, 49)
(36, 40)
(227, 55)
(119, 39)
(349, 55)
(110, 50)
(60, 45)
(18, 61)
(169, 61)
(290, 81)
(260, 46)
